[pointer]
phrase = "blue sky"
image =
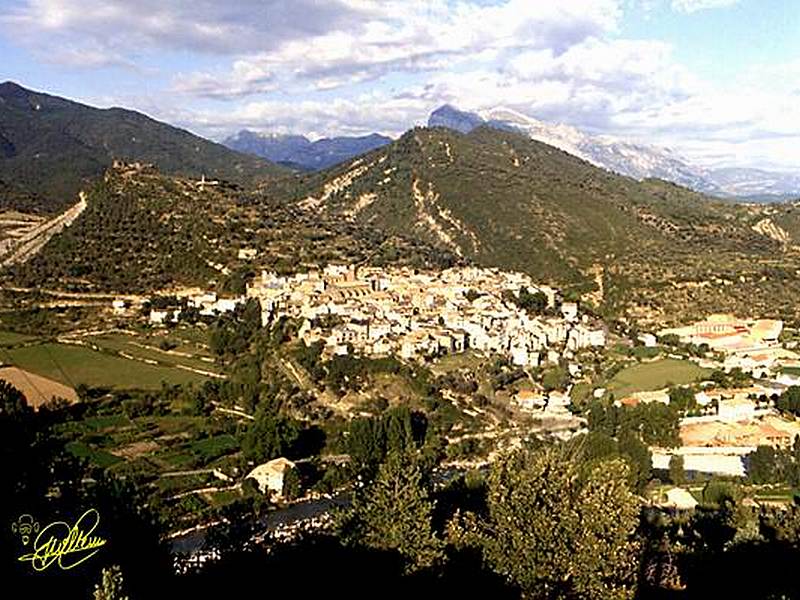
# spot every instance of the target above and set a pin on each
(715, 80)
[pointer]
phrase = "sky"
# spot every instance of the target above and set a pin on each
(717, 81)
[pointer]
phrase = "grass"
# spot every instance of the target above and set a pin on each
(645, 352)
(223, 498)
(174, 485)
(655, 375)
(176, 460)
(581, 392)
(9, 338)
(778, 493)
(73, 365)
(125, 343)
(172, 424)
(461, 360)
(214, 447)
(104, 421)
(101, 458)
(185, 443)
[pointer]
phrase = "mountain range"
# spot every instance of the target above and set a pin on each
(298, 152)
(493, 196)
(498, 198)
(627, 158)
(51, 147)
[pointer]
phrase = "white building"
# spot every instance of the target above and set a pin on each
(648, 339)
(271, 476)
(160, 317)
(680, 499)
(118, 307)
(569, 310)
(736, 409)
(529, 400)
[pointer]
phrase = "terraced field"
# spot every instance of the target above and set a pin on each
(75, 365)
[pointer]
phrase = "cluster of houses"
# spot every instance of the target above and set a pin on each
(728, 424)
(206, 303)
(418, 315)
(728, 404)
(750, 345)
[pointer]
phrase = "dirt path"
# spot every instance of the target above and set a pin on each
(231, 411)
(33, 241)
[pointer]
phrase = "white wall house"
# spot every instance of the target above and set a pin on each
(270, 476)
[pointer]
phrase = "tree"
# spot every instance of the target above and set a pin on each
(110, 586)
(399, 430)
(677, 475)
(601, 419)
(555, 378)
(270, 436)
(599, 445)
(655, 423)
(292, 486)
(395, 513)
(682, 398)
(472, 295)
(366, 444)
(370, 439)
(670, 339)
(533, 303)
(638, 457)
(12, 402)
(719, 493)
(555, 529)
(790, 400)
(781, 525)
(767, 465)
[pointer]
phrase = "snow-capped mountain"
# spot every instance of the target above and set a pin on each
(626, 158)
(620, 156)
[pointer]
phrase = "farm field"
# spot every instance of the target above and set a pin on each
(75, 365)
(644, 377)
(173, 454)
(38, 390)
(146, 348)
(9, 338)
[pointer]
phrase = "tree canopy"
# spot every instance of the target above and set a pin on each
(556, 530)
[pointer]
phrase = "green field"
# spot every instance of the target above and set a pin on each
(461, 360)
(73, 365)
(9, 338)
(655, 375)
(97, 456)
(128, 344)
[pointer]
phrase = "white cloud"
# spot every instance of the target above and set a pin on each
(356, 66)
(693, 6)
(334, 42)
(208, 26)
(367, 113)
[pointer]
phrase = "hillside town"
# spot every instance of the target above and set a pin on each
(421, 316)
(373, 311)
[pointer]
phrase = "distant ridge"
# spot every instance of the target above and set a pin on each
(301, 153)
(50, 147)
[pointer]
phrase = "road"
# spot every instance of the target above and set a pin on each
(34, 240)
